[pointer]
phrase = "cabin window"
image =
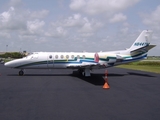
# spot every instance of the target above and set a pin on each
(50, 56)
(61, 56)
(56, 56)
(67, 56)
(72, 56)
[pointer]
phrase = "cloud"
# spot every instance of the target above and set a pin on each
(78, 25)
(118, 18)
(4, 35)
(26, 37)
(38, 14)
(35, 26)
(84, 21)
(93, 7)
(73, 21)
(77, 4)
(152, 19)
(41, 40)
(6, 16)
(56, 32)
(10, 20)
(89, 27)
(16, 3)
(21, 22)
(20, 26)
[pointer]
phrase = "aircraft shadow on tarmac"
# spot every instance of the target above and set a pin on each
(140, 74)
(98, 78)
(95, 78)
(41, 75)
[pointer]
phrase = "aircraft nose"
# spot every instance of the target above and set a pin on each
(13, 63)
(5, 64)
(9, 64)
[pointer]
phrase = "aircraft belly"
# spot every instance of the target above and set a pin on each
(60, 66)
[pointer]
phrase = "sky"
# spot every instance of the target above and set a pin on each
(77, 25)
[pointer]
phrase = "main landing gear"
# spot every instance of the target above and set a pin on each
(85, 72)
(21, 73)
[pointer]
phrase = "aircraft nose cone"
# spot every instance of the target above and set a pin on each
(13, 63)
(10, 64)
(7, 64)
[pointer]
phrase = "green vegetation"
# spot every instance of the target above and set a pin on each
(8, 56)
(12, 55)
(149, 66)
(145, 63)
(153, 58)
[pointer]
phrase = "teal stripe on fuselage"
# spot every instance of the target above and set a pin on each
(57, 62)
(134, 59)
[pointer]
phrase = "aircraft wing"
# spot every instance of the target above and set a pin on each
(86, 65)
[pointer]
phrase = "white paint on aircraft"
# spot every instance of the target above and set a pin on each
(85, 61)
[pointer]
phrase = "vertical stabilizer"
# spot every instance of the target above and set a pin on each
(143, 40)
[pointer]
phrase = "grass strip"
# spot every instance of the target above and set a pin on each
(149, 66)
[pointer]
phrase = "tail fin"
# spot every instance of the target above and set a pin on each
(142, 41)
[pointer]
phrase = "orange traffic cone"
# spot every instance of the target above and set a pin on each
(106, 84)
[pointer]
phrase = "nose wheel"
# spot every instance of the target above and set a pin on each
(21, 73)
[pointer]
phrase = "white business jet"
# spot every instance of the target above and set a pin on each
(84, 62)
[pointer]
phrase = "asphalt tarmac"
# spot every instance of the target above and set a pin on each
(61, 95)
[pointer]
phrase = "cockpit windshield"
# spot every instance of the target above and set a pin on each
(30, 55)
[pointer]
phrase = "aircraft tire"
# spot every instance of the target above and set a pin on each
(81, 72)
(21, 73)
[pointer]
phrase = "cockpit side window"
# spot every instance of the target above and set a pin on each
(29, 56)
(32, 56)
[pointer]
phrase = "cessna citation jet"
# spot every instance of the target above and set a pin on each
(84, 62)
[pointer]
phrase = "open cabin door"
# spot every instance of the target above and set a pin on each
(50, 60)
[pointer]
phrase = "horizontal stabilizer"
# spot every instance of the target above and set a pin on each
(143, 49)
(151, 46)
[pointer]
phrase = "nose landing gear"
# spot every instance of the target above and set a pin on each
(21, 73)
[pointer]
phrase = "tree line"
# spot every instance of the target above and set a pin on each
(12, 55)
